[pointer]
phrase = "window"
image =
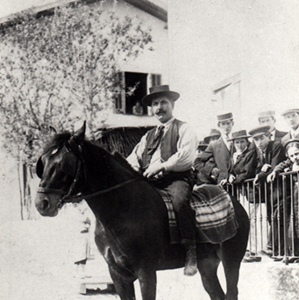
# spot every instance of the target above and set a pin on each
(134, 86)
(227, 95)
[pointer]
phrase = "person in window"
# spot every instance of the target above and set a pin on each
(220, 151)
(165, 156)
(267, 118)
(291, 164)
(138, 109)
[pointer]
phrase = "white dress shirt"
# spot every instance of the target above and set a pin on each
(180, 161)
(272, 137)
(295, 133)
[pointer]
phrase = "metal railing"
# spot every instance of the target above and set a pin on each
(273, 210)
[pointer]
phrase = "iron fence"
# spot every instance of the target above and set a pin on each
(273, 212)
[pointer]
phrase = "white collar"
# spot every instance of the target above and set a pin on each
(295, 132)
(238, 153)
(167, 124)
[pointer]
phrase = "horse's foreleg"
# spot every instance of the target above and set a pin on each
(124, 286)
(208, 270)
(148, 283)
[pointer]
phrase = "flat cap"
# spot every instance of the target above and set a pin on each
(268, 113)
(259, 131)
(224, 117)
(289, 111)
(290, 141)
(202, 145)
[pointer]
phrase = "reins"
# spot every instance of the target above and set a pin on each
(78, 197)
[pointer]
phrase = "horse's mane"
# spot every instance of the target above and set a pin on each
(93, 148)
(58, 141)
(122, 161)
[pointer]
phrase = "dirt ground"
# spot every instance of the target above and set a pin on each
(36, 264)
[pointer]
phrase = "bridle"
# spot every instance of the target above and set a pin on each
(69, 197)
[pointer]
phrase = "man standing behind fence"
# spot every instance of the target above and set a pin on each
(267, 118)
(270, 154)
(292, 118)
(220, 150)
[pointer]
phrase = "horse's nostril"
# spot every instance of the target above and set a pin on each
(45, 205)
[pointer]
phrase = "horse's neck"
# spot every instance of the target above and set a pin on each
(104, 171)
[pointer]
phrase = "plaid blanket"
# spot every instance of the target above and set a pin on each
(215, 216)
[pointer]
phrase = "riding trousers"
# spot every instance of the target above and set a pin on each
(180, 193)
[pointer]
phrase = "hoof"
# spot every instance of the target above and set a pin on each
(190, 271)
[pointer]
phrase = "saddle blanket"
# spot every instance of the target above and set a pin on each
(214, 213)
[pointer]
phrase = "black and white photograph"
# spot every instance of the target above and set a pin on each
(149, 150)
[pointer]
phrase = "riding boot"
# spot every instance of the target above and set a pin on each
(191, 259)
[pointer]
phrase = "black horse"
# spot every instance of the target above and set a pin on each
(132, 230)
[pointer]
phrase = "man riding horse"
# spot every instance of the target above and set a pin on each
(165, 155)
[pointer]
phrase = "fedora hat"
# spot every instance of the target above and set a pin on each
(213, 133)
(224, 117)
(239, 135)
(159, 91)
(259, 131)
(202, 145)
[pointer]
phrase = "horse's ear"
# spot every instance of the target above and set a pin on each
(52, 130)
(80, 133)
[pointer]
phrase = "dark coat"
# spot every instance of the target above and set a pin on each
(245, 166)
(288, 137)
(274, 155)
(279, 135)
(218, 151)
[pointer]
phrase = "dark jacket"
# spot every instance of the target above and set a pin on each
(279, 135)
(218, 151)
(288, 137)
(274, 155)
(245, 166)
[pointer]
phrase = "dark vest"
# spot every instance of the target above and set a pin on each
(168, 143)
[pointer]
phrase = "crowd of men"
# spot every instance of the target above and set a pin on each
(169, 153)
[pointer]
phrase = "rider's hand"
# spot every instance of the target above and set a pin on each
(271, 177)
(153, 170)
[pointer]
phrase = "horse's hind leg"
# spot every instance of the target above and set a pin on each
(231, 264)
(208, 271)
(123, 286)
(231, 271)
(148, 283)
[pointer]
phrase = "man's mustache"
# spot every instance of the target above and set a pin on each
(158, 111)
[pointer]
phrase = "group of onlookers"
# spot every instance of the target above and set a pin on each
(167, 155)
(228, 158)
